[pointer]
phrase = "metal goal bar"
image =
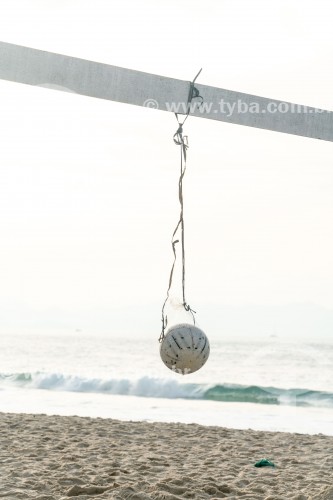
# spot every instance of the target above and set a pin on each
(93, 79)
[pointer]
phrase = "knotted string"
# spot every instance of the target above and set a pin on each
(182, 141)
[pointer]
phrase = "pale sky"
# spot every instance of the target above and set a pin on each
(88, 188)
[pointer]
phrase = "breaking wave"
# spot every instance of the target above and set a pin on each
(171, 389)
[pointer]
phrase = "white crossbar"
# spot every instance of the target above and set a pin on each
(71, 74)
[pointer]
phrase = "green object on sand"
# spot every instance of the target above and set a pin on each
(264, 463)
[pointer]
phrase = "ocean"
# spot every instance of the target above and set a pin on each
(272, 385)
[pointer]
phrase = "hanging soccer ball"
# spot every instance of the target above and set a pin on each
(184, 349)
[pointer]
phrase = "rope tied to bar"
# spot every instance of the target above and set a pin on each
(182, 141)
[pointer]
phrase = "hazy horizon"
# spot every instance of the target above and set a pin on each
(88, 188)
(292, 322)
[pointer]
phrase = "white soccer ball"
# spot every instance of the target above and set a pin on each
(184, 349)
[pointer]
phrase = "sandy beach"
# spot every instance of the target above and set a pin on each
(52, 458)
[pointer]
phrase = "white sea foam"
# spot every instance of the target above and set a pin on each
(150, 387)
